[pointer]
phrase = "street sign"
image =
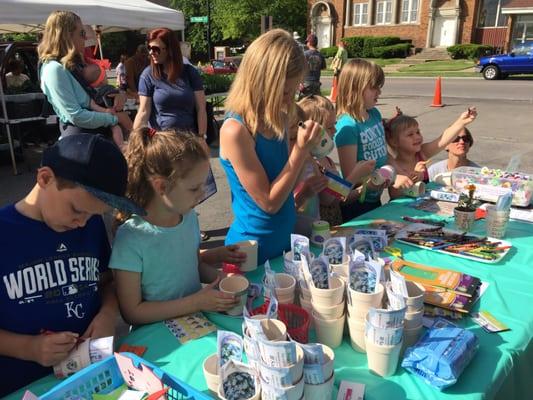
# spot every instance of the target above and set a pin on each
(202, 19)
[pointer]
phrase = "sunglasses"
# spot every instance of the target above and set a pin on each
(465, 139)
(155, 49)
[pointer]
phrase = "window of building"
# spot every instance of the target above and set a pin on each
(409, 11)
(360, 14)
(384, 12)
(490, 14)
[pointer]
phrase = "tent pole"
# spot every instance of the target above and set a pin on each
(8, 130)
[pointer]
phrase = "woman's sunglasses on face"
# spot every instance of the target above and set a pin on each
(155, 49)
(465, 139)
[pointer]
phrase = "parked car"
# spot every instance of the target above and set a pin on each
(217, 67)
(519, 61)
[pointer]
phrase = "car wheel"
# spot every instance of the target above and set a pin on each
(491, 72)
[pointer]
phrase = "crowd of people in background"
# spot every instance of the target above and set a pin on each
(158, 177)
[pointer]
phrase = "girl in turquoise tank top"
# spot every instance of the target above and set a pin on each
(253, 143)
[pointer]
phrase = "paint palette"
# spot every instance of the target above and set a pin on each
(455, 243)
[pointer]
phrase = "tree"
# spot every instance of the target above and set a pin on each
(240, 20)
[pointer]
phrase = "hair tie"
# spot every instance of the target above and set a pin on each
(388, 124)
(151, 132)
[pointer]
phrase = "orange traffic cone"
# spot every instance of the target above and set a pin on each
(437, 97)
(333, 95)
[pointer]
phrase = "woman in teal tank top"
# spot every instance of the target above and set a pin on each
(253, 144)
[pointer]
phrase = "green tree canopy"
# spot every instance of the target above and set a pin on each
(239, 20)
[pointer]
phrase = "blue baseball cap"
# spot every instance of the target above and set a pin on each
(96, 164)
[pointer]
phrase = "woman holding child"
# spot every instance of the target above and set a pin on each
(61, 54)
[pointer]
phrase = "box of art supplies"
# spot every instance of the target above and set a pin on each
(127, 370)
(437, 278)
(492, 183)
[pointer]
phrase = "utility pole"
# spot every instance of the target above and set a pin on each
(209, 30)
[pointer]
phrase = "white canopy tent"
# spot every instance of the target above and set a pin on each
(111, 15)
(18, 16)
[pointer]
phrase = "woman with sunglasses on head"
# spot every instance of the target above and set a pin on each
(61, 57)
(457, 156)
(171, 94)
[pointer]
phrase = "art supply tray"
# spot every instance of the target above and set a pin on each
(446, 241)
(490, 184)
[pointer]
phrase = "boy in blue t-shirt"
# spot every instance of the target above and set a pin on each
(55, 286)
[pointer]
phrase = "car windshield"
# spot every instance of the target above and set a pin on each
(523, 50)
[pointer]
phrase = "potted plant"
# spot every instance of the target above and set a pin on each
(465, 212)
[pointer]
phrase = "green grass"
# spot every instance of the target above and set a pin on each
(379, 61)
(437, 73)
(441, 66)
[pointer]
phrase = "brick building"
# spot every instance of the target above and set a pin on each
(503, 24)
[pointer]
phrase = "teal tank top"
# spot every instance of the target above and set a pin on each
(272, 231)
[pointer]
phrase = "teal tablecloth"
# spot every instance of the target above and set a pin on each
(502, 368)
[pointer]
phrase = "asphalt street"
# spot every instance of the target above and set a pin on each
(503, 128)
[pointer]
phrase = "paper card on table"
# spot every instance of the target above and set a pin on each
(128, 348)
(299, 246)
(319, 270)
(335, 249)
(142, 378)
(351, 391)
(100, 348)
(229, 347)
(488, 322)
(336, 186)
(269, 280)
(189, 327)
(306, 273)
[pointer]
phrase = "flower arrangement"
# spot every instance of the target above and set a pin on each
(467, 201)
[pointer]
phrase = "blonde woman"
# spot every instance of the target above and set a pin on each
(360, 134)
(253, 143)
(61, 54)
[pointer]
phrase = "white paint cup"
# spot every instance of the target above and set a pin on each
(328, 312)
(382, 360)
(210, 367)
(329, 331)
(250, 248)
(236, 285)
(285, 288)
(329, 297)
(418, 189)
(415, 299)
(357, 334)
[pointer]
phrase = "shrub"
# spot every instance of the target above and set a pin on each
(469, 50)
(400, 50)
(217, 83)
(354, 45)
(329, 51)
(378, 41)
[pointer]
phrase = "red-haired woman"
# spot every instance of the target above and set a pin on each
(171, 94)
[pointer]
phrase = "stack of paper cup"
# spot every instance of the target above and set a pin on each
(319, 378)
(413, 314)
(275, 331)
(280, 379)
(236, 285)
(496, 221)
(383, 340)
(358, 305)
(328, 312)
(285, 288)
